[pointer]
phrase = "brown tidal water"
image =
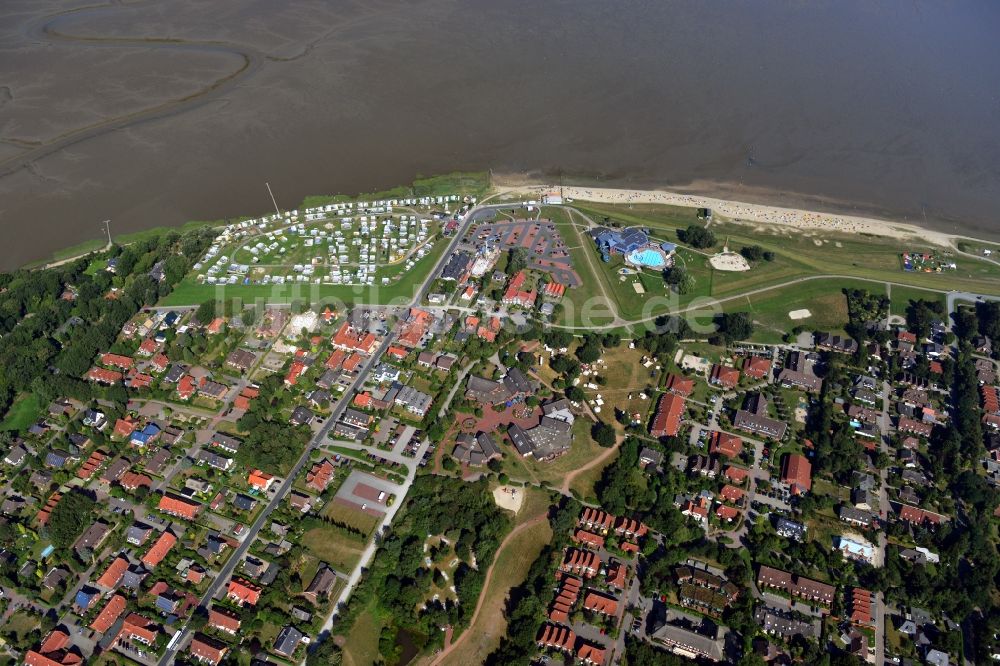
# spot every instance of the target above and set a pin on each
(162, 111)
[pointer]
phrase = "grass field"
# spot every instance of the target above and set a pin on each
(626, 376)
(797, 254)
(901, 297)
(361, 642)
(509, 570)
(823, 298)
(100, 243)
(341, 513)
(472, 183)
(335, 547)
(23, 413)
(584, 450)
(583, 484)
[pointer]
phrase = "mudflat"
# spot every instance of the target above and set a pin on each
(155, 113)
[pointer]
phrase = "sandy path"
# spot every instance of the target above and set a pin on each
(593, 463)
(439, 659)
(741, 211)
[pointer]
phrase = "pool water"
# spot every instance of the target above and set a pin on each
(648, 257)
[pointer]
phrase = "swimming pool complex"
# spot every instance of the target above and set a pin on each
(647, 257)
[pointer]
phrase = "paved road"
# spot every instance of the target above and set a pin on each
(318, 440)
(459, 380)
(701, 305)
(227, 570)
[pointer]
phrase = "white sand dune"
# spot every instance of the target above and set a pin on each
(743, 212)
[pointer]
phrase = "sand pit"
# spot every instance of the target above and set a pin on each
(796, 315)
(509, 497)
(729, 261)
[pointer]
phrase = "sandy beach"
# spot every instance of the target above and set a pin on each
(803, 220)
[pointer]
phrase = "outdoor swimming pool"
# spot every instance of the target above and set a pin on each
(647, 257)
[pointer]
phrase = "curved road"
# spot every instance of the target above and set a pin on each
(486, 584)
(952, 297)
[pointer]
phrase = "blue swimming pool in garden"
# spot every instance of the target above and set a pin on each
(647, 257)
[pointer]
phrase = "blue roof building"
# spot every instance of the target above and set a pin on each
(621, 242)
(167, 603)
(146, 435)
(86, 597)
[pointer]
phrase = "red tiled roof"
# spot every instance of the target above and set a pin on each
(207, 649)
(515, 295)
(630, 527)
(683, 386)
(595, 519)
(318, 478)
(726, 513)
(616, 576)
(186, 387)
(725, 444)
(667, 421)
(297, 370)
(125, 427)
(555, 290)
(179, 507)
(159, 550)
(160, 362)
(600, 603)
(347, 337)
(46, 511)
(797, 472)
(724, 376)
(104, 376)
(413, 329)
(117, 361)
(353, 361)
(243, 592)
(589, 538)
(756, 366)
(109, 614)
(114, 573)
(735, 474)
(34, 658)
(224, 620)
(259, 480)
(918, 516)
(133, 480)
(731, 493)
(138, 627)
(590, 654)
(579, 561)
(90, 466)
(57, 639)
(397, 351)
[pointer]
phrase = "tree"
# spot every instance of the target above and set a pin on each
(557, 338)
(205, 312)
(575, 393)
(696, 236)
(679, 278)
(517, 260)
(752, 253)
(324, 653)
(604, 434)
(735, 326)
(68, 519)
(589, 351)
